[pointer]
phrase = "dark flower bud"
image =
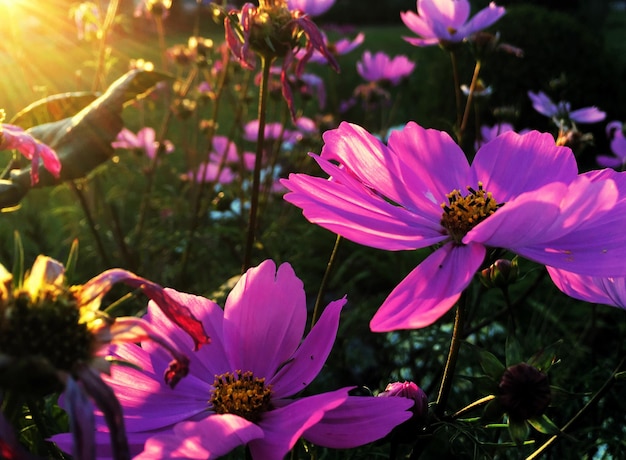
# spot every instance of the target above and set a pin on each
(500, 274)
(405, 432)
(524, 392)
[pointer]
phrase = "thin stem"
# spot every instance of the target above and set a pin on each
(256, 178)
(158, 21)
(92, 224)
(470, 98)
(473, 405)
(453, 354)
(98, 80)
(320, 293)
(595, 398)
(457, 88)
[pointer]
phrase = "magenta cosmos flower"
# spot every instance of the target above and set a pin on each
(15, 138)
(145, 140)
(240, 388)
(311, 7)
(521, 193)
(615, 133)
(380, 67)
(562, 110)
(446, 21)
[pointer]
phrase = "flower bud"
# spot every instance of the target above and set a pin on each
(500, 274)
(405, 432)
(524, 392)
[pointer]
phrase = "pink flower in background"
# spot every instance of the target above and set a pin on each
(15, 138)
(257, 350)
(222, 160)
(311, 7)
(521, 193)
(338, 48)
(562, 110)
(143, 140)
(614, 131)
(445, 21)
(380, 67)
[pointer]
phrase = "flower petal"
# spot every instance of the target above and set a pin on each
(508, 165)
(94, 290)
(355, 213)
(206, 439)
(430, 290)
(264, 319)
(282, 427)
(607, 291)
(587, 115)
(82, 424)
(350, 425)
(308, 360)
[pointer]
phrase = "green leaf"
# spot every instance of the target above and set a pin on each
(490, 364)
(519, 431)
(82, 141)
(620, 375)
(543, 425)
(545, 358)
(513, 351)
(52, 108)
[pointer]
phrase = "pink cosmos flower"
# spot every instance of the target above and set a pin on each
(311, 7)
(615, 132)
(15, 138)
(562, 111)
(145, 140)
(380, 67)
(257, 349)
(218, 168)
(338, 48)
(521, 193)
(446, 21)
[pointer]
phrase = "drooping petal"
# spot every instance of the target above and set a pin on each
(264, 318)
(282, 427)
(209, 438)
(430, 290)
(82, 424)
(106, 401)
(483, 19)
(508, 165)
(607, 291)
(94, 290)
(360, 420)
(308, 360)
(208, 361)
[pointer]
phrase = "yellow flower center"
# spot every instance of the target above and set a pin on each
(242, 394)
(462, 213)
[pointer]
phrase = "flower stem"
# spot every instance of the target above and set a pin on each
(92, 223)
(102, 50)
(470, 98)
(594, 399)
(320, 293)
(457, 88)
(256, 178)
(453, 354)
(473, 405)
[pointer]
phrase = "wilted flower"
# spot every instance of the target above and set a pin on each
(615, 133)
(272, 31)
(145, 140)
(521, 193)
(53, 337)
(381, 68)
(524, 392)
(338, 48)
(15, 138)
(562, 112)
(446, 21)
(239, 390)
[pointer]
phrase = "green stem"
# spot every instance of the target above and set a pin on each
(457, 88)
(158, 21)
(98, 80)
(256, 178)
(594, 399)
(320, 293)
(92, 224)
(453, 354)
(470, 98)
